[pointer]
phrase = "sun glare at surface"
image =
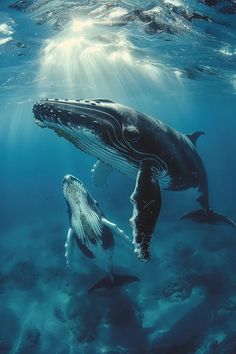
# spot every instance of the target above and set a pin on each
(84, 52)
(79, 25)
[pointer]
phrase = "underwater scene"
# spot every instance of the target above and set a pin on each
(118, 170)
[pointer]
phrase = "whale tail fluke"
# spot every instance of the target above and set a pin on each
(114, 281)
(209, 217)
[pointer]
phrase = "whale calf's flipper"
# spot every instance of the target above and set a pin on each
(146, 200)
(69, 246)
(100, 172)
(209, 217)
(110, 282)
(116, 229)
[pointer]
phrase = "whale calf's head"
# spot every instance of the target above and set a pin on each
(76, 194)
(84, 212)
(100, 127)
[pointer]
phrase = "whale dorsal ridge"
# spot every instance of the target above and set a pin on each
(194, 136)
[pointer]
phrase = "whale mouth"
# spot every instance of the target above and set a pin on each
(65, 114)
(90, 125)
(54, 111)
(69, 179)
(57, 110)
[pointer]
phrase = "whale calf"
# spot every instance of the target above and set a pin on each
(92, 233)
(138, 146)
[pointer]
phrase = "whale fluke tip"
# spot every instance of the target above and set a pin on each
(209, 217)
(116, 281)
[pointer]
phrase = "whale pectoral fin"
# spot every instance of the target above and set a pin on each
(146, 200)
(116, 229)
(69, 247)
(100, 172)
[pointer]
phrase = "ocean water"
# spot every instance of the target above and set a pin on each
(174, 60)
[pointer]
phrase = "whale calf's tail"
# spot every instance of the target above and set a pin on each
(208, 216)
(110, 282)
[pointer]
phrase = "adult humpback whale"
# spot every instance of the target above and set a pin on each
(139, 146)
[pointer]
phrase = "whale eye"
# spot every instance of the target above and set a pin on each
(131, 133)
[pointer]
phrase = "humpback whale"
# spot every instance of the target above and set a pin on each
(139, 146)
(92, 233)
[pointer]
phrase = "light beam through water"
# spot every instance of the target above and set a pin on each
(85, 60)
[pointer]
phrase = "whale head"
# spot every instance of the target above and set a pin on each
(100, 127)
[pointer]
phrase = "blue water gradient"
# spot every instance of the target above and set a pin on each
(185, 300)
